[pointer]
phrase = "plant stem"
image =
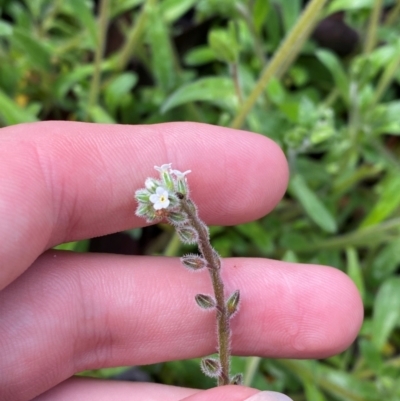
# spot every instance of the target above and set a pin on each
(103, 26)
(370, 40)
(393, 14)
(214, 268)
(282, 59)
(134, 36)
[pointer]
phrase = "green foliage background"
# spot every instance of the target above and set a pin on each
(337, 118)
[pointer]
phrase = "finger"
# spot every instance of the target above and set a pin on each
(63, 181)
(85, 389)
(236, 393)
(74, 312)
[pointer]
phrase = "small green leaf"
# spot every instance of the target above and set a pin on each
(216, 90)
(311, 203)
(5, 28)
(232, 304)
(205, 301)
(386, 312)
(11, 113)
(171, 10)
(198, 56)
(38, 54)
(333, 64)
(224, 45)
(261, 9)
(354, 270)
(99, 115)
(162, 57)
(82, 11)
(118, 88)
(388, 202)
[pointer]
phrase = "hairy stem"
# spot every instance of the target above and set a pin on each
(214, 267)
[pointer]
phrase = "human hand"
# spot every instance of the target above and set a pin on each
(61, 313)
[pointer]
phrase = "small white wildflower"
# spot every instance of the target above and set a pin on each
(160, 199)
(164, 168)
(179, 174)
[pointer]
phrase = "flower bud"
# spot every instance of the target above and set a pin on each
(146, 210)
(177, 218)
(193, 262)
(205, 301)
(151, 184)
(232, 304)
(237, 379)
(211, 367)
(187, 234)
(142, 195)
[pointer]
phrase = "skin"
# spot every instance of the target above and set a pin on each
(61, 313)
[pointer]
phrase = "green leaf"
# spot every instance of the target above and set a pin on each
(232, 304)
(386, 312)
(261, 9)
(290, 13)
(388, 202)
(354, 270)
(333, 64)
(32, 48)
(82, 11)
(162, 57)
(11, 113)
(5, 28)
(224, 45)
(342, 5)
(216, 90)
(171, 10)
(99, 115)
(386, 261)
(199, 55)
(311, 203)
(116, 91)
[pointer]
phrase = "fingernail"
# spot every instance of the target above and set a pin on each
(268, 396)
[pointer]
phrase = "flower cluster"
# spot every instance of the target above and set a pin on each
(159, 199)
(167, 198)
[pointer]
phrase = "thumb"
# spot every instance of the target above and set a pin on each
(236, 393)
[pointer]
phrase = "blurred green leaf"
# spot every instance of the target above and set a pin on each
(11, 113)
(261, 9)
(333, 64)
(386, 313)
(5, 28)
(389, 200)
(99, 115)
(354, 270)
(223, 45)
(83, 12)
(119, 87)
(199, 56)
(171, 10)
(217, 90)
(162, 57)
(35, 50)
(341, 5)
(290, 12)
(312, 205)
(386, 261)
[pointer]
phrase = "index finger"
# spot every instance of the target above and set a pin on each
(64, 181)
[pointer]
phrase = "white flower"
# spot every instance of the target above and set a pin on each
(164, 168)
(160, 199)
(179, 174)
